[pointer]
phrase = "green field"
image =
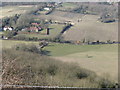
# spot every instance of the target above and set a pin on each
(99, 58)
(58, 49)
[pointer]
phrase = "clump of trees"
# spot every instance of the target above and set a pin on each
(10, 21)
(9, 34)
(102, 9)
(82, 9)
(107, 18)
(33, 48)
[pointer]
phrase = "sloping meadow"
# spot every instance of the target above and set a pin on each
(30, 68)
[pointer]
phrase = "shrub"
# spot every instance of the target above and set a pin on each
(27, 48)
(105, 83)
(81, 75)
(52, 70)
(10, 34)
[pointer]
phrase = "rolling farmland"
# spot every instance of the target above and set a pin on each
(94, 57)
(100, 58)
(12, 10)
(88, 27)
(92, 30)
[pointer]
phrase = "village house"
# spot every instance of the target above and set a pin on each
(35, 29)
(50, 5)
(34, 24)
(7, 28)
(46, 8)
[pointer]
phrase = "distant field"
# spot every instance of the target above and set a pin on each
(67, 6)
(91, 29)
(62, 16)
(55, 30)
(10, 43)
(99, 58)
(7, 11)
(88, 28)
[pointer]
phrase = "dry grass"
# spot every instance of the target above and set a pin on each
(7, 11)
(99, 58)
(101, 63)
(25, 68)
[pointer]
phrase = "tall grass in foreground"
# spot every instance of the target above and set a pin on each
(27, 68)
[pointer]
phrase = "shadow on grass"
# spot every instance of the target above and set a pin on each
(45, 52)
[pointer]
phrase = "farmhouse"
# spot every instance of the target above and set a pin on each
(35, 29)
(50, 5)
(34, 24)
(7, 28)
(46, 8)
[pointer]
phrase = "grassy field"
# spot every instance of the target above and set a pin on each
(28, 68)
(99, 58)
(88, 27)
(7, 11)
(55, 30)
(91, 29)
(62, 16)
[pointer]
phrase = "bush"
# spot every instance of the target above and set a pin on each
(10, 34)
(27, 48)
(52, 70)
(105, 83)
(108, 20)
(81, 75)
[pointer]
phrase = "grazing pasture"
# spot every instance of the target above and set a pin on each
(28, 68)
(94, 57)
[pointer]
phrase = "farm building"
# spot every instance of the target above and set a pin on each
(34, 24)
(47, 9)
(35, 29)
(7, 28)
